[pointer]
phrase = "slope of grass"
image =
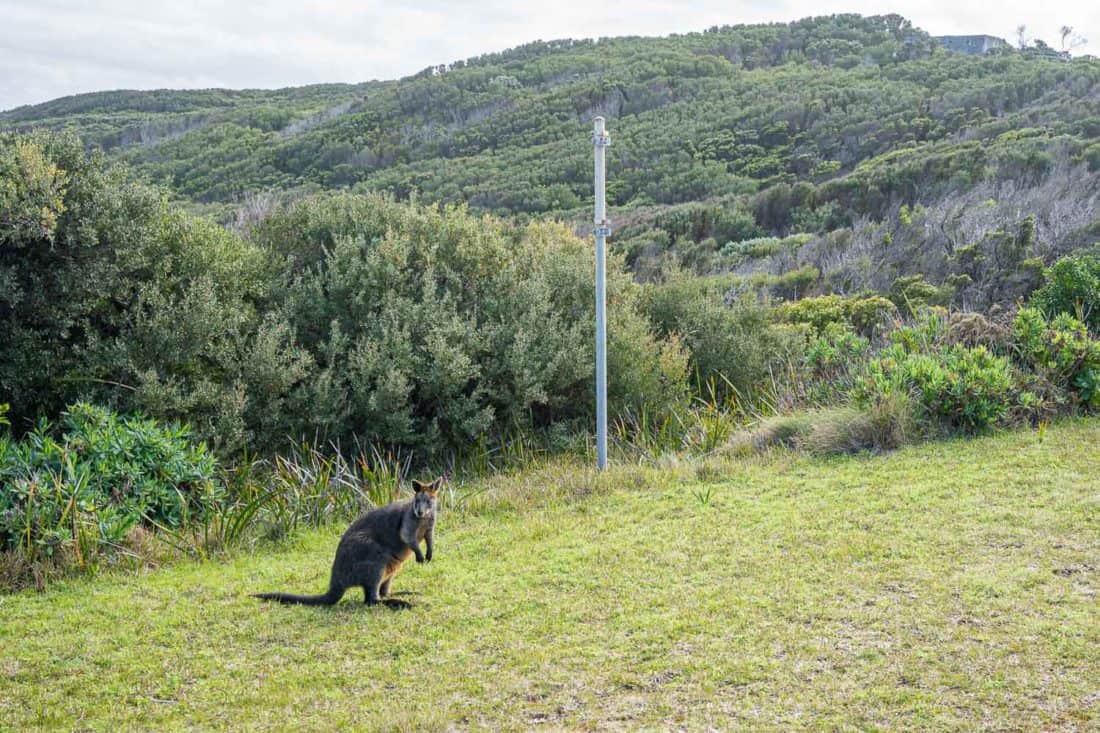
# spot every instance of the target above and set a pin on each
(949, 586)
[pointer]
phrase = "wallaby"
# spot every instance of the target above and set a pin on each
(375, 547)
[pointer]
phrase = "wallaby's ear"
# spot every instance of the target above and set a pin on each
(419, 486)
(432, 488)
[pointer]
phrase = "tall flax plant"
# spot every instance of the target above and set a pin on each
(701, 424)
(247, 497)
(512, 447)
(309, 487)
(715, 414)
(648, 433)
(312, 487)
(381, 474)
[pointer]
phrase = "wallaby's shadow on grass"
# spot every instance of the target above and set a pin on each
(353, 604)
(356, 605)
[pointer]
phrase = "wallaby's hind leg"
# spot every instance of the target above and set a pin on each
(384, 589)
(371, 579)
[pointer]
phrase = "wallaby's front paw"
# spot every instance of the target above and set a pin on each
(420, 558)
(428, 557)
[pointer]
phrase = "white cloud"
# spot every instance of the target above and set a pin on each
(51, 48)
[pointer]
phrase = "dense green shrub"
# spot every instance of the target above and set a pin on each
(429, 326)
(1073, 286)
(961, 372)
(84, 485)
(951, 386)
(108, 294)
(957, 387)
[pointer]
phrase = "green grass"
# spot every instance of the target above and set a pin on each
(944, 587)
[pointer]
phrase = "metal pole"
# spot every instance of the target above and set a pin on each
(601, 140)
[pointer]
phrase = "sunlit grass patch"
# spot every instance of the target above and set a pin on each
(944, 586)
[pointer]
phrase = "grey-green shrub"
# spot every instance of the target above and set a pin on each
(429, 326)
(734, 344)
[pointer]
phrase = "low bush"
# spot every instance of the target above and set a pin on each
(74, 493)
(866, 315)
(1060, 356)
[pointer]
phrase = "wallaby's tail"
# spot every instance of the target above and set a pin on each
(334, 594)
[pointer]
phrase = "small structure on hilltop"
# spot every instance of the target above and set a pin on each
(973, 45)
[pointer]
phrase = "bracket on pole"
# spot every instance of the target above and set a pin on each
(603, 229)
(603, 140)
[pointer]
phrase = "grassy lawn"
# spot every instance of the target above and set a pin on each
(944, 587)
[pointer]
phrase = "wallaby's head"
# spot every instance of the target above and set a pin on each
(424, 502)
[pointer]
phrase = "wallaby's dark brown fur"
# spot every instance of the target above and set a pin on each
(375, 547)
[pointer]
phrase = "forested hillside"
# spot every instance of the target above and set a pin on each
(887, 156)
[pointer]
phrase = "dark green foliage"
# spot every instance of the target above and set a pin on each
(108, 293)
(1073, 287)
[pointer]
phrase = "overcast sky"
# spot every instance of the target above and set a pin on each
(51, 48)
